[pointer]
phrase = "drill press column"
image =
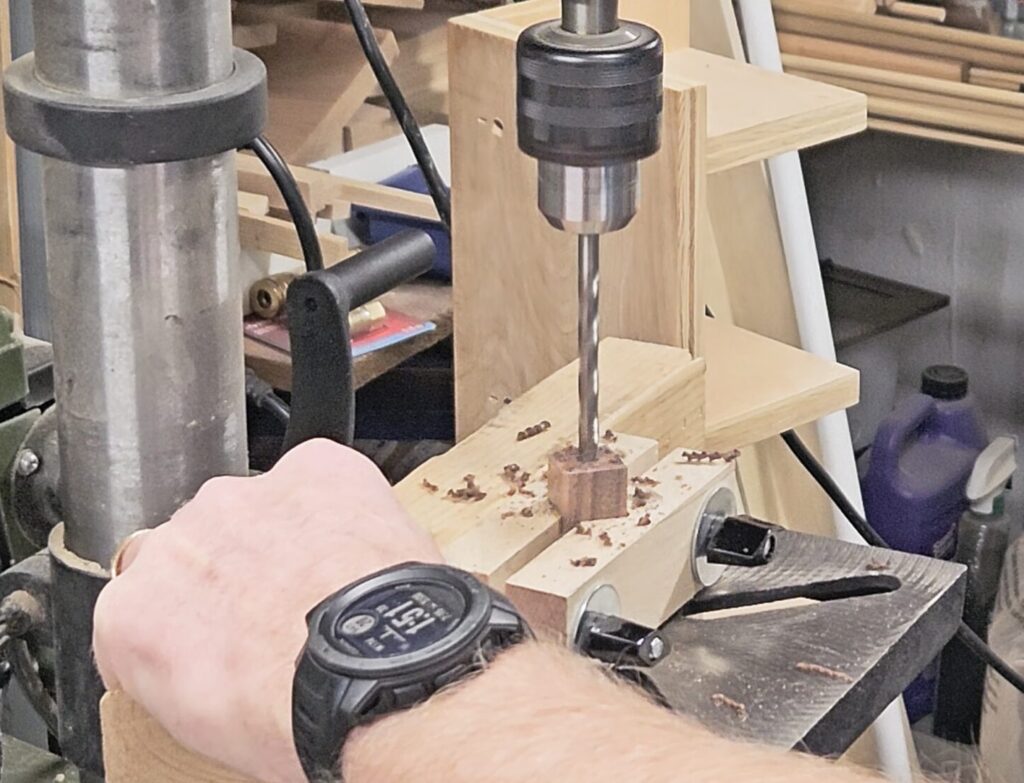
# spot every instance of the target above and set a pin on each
(137, 109)
(589, 108)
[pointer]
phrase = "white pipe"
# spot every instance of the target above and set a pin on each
(808, 293)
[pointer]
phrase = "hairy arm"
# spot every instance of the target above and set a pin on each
(541, 713)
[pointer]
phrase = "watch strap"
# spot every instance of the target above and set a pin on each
(316, 694)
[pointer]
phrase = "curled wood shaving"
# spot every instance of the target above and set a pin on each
(877, 567)
(708, 457)
(533, 431)
(605, 539)
(526, 512)
(823, 671)
(429, 487)
(644, 521)
(738, 707)
(609, 437)
(645, 481)
(584, 562)
(640, 497)
(583, 530)
(471, 493)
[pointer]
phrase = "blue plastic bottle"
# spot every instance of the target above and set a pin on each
(914, 487)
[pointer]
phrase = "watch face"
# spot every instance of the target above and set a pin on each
(398, 619)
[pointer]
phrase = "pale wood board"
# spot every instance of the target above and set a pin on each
(950, 137)
(318, 78)
(755, 114)
(924, 13)
(1015, 79)
(944, 117)
(748, 284)
(872, 57)
(499, 545)
(874, 89)
(905, 80)
(996, 84)
(320, 189)
(253, 203)
(651, 391)
(273, 235)
(10, 248)
(900, 34)
(254, 35)
(757, 387)
(641, 561)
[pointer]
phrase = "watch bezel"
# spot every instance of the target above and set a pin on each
(473, 625)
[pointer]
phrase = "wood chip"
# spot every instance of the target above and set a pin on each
(526, 512)
(507, 514)
(584, 562)
(583, 530)
(739, 708)
(431, 488)
(605, 539)
(645, 481)
(877, 567)
(823, 671)
(644, 521)
(609, 437)
(533, 431)
(640, 497)
(708, 457)
(471, 493)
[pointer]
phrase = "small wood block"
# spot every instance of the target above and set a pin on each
(584, 491)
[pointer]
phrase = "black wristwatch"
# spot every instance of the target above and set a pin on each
(387, 643)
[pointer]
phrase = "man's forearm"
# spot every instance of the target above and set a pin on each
(541, 714)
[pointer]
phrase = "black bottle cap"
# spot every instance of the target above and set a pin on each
(944, 382)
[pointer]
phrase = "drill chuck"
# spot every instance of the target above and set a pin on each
(589, 100)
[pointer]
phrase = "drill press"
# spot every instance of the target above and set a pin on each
(589, 110)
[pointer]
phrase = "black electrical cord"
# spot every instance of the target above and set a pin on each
(965, 633)
(262, 395)
(282, 176)
(368, 41)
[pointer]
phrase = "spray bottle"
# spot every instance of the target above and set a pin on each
(983, 536)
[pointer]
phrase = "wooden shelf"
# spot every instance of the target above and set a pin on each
(757, 387)
(755, 114)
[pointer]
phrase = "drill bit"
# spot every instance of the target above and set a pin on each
(588, 345)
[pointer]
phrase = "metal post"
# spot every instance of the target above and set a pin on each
(142, 267)
(137, 109)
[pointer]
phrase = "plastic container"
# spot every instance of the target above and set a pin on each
(915, 481)
(982, 541)
(922, 456)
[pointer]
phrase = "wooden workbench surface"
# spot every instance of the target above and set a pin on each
(424, 300)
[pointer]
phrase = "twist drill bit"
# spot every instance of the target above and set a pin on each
(589, 382)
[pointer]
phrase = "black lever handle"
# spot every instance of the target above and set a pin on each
(323, 394)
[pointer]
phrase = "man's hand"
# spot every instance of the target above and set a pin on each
(205, 623)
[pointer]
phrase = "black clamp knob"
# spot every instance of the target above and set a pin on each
(741, 541)
(619, 642)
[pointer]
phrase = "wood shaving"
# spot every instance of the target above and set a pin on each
(877, 567)
(708, 457)
(507, 401)
(583, 530)
(471, 493)
(739, 708)
(431, 488)
(526, 512)
(533, 431)
(518, 478)
(507, 514)
(645, 481)
(605, 539)
(824, 671)
(584, 562)
(644, 521)
(640, 497)
(511, 471)
(609, 437)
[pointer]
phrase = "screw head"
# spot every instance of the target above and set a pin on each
(657, 648)
(28, 463)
